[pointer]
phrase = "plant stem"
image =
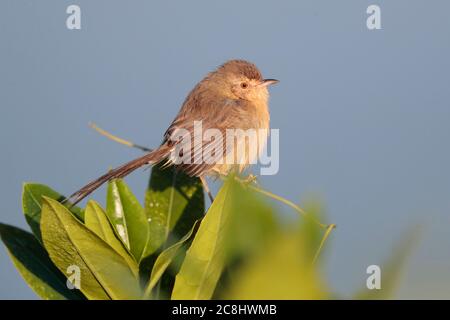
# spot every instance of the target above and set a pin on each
(325, 237)
(288, 203)
(117, 139)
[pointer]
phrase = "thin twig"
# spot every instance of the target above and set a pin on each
(325, 237)
(117, 139)
(289, 203)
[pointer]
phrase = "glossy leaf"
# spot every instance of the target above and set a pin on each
(33, 263)
(205, 258)
(128, 215)
(32, 194)
(97, 221)
(115, 212)
(173, 202)
(164, 259)
(104, 273)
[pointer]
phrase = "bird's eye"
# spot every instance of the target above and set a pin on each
(244, 85)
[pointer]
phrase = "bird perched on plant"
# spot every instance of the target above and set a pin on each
(234, 96)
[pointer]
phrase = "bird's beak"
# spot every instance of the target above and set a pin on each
(268, 82)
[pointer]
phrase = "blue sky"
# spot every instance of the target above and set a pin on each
(363, 115)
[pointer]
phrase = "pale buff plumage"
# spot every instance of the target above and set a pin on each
(234, 96)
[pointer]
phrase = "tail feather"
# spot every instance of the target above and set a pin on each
(153, 157)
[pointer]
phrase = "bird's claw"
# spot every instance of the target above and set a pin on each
(251, 178)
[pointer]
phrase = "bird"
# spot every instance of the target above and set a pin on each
(234, 96)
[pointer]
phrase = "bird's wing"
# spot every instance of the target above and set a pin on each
(190, 127)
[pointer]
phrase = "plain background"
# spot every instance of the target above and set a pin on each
(363, 115)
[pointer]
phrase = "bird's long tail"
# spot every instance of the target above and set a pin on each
(153, 157)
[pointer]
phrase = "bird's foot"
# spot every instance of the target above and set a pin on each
(251, 178)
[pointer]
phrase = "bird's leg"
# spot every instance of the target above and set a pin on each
(205, 186)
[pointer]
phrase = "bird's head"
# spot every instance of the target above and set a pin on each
(240, 79)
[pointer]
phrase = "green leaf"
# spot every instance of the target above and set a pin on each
(104, 273)
(32, 194)
(164, 259)
(97, 221)
(205, 258)
(115, 213)
(252, 226)
(282, 271)
(252, 223)
(128, 217)
(35, 266)
(392, 269)
(278, 263)
(173, 202)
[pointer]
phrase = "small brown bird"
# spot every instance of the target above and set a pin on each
(234, 96)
